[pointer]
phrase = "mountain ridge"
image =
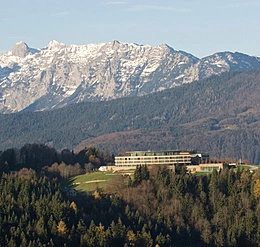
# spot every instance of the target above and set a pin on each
(219, 115)
(59, 74)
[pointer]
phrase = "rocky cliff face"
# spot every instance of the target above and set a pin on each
(60, 74)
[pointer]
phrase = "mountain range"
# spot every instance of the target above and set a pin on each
(130, 97)
(59, 74)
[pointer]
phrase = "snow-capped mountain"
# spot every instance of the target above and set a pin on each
(60, 74)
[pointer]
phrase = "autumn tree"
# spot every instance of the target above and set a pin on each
(62, 228)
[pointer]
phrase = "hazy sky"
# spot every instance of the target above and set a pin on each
(199, 27)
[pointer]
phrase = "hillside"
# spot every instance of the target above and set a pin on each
(153, 207)
(219, 115)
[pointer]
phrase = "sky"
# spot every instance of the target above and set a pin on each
(199, 27)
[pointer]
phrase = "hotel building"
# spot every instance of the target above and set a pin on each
(193, 160)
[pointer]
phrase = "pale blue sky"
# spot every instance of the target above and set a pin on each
(199, 27)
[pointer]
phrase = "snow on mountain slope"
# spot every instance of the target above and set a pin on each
(60, 74)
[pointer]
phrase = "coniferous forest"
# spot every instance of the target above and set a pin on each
(154, 207)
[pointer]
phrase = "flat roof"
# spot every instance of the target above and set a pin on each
(162, 152)
(159, 151)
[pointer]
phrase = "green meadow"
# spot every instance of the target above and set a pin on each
(95, 180)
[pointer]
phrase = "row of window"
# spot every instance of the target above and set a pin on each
(152, 160)
(153, 157)
(158, 153)
(210, 168)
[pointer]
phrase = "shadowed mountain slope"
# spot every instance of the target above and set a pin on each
(219, 115)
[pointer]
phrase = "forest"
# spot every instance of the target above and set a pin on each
(219, 115)
(44, 159)
(154, 207)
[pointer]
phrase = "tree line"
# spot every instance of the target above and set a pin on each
(46, 160)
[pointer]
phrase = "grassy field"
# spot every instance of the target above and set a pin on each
(243, 167)
(92, 181)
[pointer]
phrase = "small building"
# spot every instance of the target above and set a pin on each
(106, 168)
(208, 167)
(69, 192)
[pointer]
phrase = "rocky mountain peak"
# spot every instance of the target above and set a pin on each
(20, 49)
(115, 43)
(54, 44)
(166, 47)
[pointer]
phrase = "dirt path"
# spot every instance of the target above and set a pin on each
(90, 182)
(252, 167)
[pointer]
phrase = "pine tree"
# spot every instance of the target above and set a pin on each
(11, 243)
(145, 174)
(160, 240)
(131, 238)
(40, 227)
(23, 242)
(90, 237)
(137, 175)
(81, 227)
(146, 239)
(101, 235)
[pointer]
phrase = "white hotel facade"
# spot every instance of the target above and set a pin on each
(194, 161)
